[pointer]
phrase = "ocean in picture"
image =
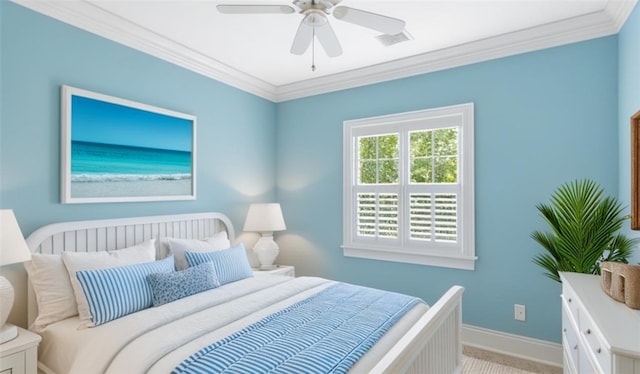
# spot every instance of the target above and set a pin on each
(113, 170)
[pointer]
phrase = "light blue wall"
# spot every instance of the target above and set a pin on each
(629, 101)
(541, 119)
(235, 130)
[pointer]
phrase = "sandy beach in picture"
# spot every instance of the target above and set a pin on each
(132, 188)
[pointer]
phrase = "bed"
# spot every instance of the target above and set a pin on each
(165, 338)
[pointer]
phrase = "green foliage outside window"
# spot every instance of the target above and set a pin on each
(433, 157)
(379, 159)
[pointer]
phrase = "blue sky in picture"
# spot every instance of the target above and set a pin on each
(109, 123)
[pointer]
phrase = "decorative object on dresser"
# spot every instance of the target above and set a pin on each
(13, 250)
(599, 334)
(585, 230)
(622, 283)
(20, 355)
(265, 219)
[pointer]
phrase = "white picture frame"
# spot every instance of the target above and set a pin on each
(118, 150)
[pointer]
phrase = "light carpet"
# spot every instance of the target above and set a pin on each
(472, 365)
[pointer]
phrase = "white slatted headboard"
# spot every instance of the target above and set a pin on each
(112, 234)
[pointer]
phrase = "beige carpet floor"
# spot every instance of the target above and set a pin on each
(479, 361)
(473, 365)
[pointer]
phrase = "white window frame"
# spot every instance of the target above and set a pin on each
(460, 255)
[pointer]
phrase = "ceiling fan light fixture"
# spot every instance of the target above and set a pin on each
(315, 22)
(315, 18)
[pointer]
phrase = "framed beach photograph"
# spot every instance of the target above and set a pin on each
(117, 150)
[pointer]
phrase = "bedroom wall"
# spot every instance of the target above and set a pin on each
(235, 130)
(629, 102)
(541, 119)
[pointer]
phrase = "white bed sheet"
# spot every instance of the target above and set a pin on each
(156, 340)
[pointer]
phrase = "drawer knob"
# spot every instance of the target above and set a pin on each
(588, 331)
(564, 330)
(569, 299)
(575, 347)
(599, 350)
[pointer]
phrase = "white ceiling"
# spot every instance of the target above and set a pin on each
(251, 52)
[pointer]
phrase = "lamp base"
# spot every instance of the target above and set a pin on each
(8, 332)
(267, 251)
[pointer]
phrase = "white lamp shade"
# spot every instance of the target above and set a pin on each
(264, 218)
(13, 248)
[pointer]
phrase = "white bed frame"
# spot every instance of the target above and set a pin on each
(432, 345)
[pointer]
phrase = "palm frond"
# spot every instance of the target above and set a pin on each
(584, 227)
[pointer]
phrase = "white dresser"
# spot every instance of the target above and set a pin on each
(599, 334)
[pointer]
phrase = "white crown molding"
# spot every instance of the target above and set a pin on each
(619, 11)
(98, 21)
(590, 26)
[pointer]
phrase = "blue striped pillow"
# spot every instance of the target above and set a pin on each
(230, 264)
(115, 292)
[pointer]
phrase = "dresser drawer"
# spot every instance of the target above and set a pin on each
(595, 343)
(570, 341)
(13, 364)
(572, 303)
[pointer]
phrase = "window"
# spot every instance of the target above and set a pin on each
(409, 187)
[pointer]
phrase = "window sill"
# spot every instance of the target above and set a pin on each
(455, 262)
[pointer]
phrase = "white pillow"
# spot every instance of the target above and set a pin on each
(76, 261)
(51, 285)
(179, 246)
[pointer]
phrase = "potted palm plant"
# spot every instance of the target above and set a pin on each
(584, 230)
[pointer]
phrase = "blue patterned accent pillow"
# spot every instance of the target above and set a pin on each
(230, 264)
(167, 287)
(115, 292)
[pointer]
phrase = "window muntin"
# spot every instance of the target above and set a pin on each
(404, 198)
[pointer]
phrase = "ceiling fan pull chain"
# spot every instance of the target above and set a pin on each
(313, 51)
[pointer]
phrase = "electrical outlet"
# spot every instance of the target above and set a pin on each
(520, 312)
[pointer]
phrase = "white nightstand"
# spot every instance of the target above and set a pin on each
(20, 355)
(287, 270)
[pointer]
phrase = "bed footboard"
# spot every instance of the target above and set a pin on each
(433, 344)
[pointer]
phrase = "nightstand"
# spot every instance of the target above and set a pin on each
(20, 355)
(287, 270)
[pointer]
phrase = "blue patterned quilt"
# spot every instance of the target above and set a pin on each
(325, 333)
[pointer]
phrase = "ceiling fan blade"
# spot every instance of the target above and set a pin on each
(254, 9)
(374, 21)
(302, 40)
(328, 39)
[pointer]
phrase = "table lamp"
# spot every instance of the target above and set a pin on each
(13, 250)
(265, 219)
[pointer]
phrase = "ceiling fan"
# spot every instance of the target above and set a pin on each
(315, 23)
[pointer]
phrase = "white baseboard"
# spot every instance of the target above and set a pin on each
(541, 351)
